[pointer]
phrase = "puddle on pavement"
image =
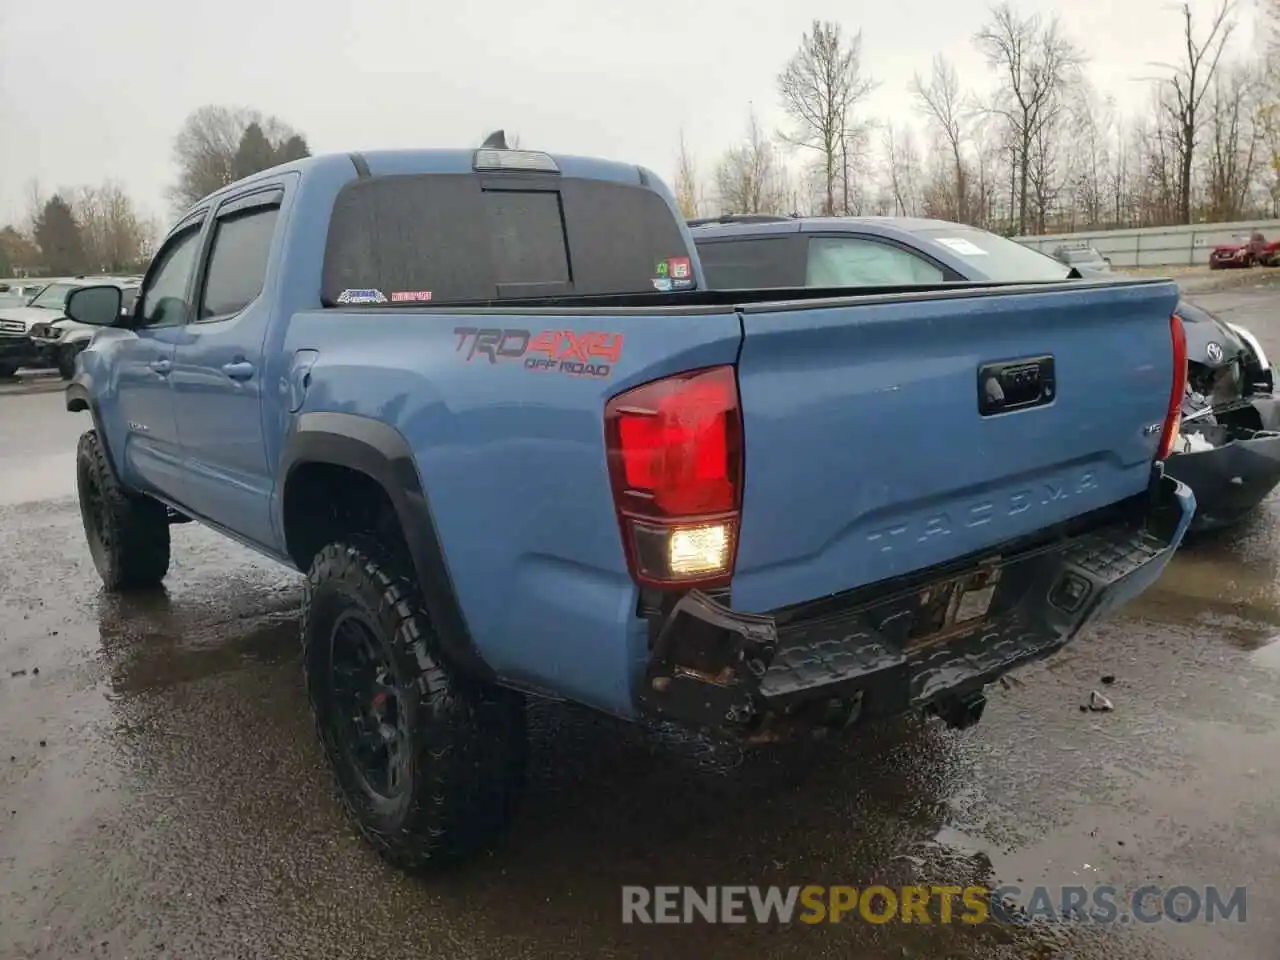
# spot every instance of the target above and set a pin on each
(152, 641)
(1229, 586)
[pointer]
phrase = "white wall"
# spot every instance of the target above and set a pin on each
(1159, 246)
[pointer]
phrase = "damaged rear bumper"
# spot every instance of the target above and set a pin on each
(1236, 466)
(913, 643)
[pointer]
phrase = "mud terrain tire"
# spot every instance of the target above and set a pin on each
(459, 745)
(127, 533)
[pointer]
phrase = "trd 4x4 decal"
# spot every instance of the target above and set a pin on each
(590, 354)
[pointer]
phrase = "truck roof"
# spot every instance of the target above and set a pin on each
(899, 227)
(381, 163)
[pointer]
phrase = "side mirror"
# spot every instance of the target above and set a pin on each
(95, 306)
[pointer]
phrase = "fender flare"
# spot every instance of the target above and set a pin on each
(380, 452)
(78, 396)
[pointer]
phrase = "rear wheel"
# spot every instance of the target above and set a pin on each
(127, 533)
(7, 370)
(429, 763)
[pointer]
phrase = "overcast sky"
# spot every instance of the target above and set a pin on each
(91, 90)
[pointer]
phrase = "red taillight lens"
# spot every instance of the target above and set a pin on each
(1173, 418)
(675, 462)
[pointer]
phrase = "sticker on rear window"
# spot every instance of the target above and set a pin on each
(361, 296)
(674, 273)
(410, 296)
(963, 246)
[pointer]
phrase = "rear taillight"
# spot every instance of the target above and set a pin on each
(1173, 418)
(675, 463)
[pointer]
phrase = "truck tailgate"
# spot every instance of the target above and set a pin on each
(870, 452)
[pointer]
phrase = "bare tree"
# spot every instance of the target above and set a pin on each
(112, 232)
(34, 199)
(1089, 129)
(820, 87)
(686, 182)
(750, 178)
(941, 101)
(990, 149)
(1157, 187)
(1185, 88)
(1235, 142)
(902, 162)
(1036, 63)
(206, 146)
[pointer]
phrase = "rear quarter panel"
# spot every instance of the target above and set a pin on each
(513, 463)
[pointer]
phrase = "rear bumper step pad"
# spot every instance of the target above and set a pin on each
(851, 657)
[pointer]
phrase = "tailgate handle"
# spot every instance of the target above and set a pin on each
(1010, 385)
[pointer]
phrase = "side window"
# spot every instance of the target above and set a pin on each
(164, 301)
(756, 264)
(857, 262)
(237, 261)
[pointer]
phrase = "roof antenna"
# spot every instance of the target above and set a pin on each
(495, 141)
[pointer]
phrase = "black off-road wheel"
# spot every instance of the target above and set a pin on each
(429, 763)
(127, 533)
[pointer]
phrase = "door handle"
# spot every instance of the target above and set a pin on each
(161, 367)
(240, 370)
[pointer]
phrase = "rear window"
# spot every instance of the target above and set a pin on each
(447, 237)
(997, 258)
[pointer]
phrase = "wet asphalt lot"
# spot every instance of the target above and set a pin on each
(162, 794)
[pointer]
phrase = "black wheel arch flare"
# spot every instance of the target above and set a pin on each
(78, 397)
(380, 452)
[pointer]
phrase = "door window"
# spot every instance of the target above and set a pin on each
(238, 261)
(164, 302)
(857, 262)
(750, 264)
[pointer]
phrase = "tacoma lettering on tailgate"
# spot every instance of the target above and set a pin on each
(979, 512)
(590, 354)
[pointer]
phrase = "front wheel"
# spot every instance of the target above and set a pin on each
(67, 359)
(428, 763)
(127, 533)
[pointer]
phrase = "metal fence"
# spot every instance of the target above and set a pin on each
(1159, 246)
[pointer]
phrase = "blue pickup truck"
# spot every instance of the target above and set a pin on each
(483, 400)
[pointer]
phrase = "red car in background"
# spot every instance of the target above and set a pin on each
(1255, 249)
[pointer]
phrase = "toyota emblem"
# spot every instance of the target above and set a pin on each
(1214, 352)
